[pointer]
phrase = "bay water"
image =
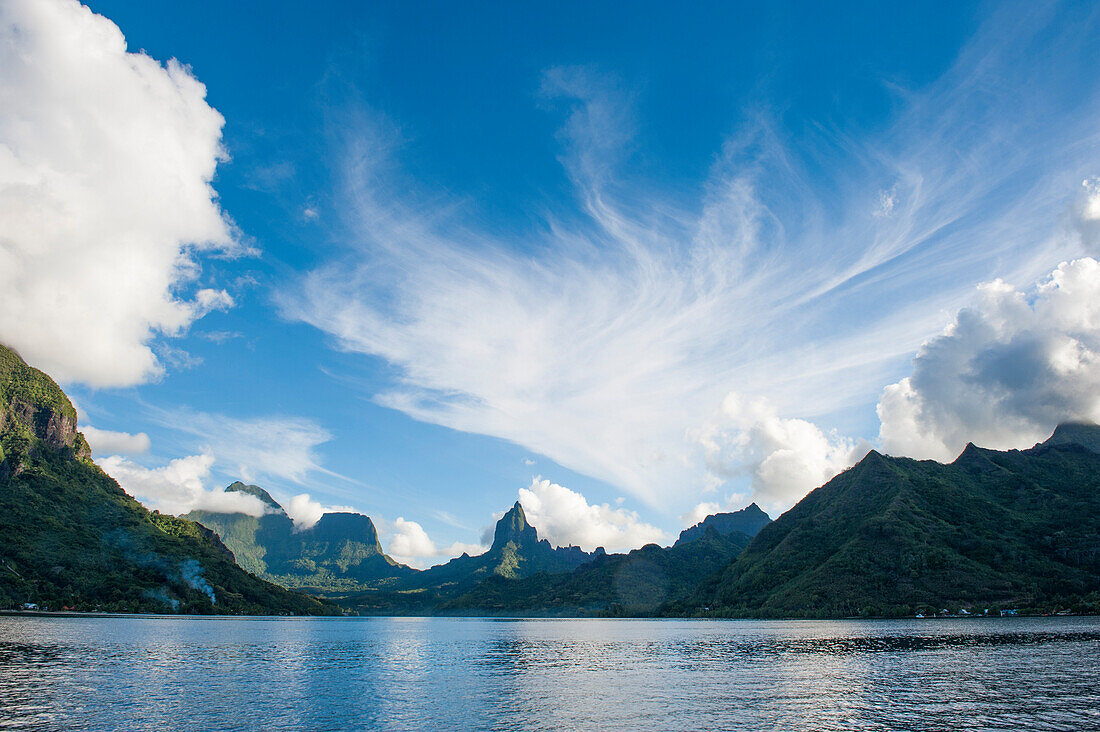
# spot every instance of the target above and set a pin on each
(189, 673)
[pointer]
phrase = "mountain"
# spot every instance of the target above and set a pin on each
(256, 492)
(70, 537)
(637, 583)
(1076, 433)
(337, 555)
(523, 575)
(748, 521)
(516, 552)
(895, 536)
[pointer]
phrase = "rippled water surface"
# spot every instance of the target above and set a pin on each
(150, 673)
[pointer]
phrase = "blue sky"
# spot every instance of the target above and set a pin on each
(666, 261)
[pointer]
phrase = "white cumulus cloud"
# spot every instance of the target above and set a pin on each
(408, 543)
(177, 487)
(459, 548)
(180, 486)
(106, 162)
(566, 518)
(254, 450)
(784, 459)
(1008, 369)
(699, 512)
(306, 512)
(107, 442)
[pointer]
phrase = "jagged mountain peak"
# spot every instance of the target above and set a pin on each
(975, 458)
(513, 527)
(873, 457)
(894, 534)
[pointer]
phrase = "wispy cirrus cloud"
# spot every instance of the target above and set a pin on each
(278, 447)
(810, 266)
(278, 452)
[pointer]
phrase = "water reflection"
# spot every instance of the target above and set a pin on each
(210, 673)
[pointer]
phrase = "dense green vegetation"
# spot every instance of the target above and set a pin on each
(523, 575)
(71, 538)
(517, 552)
(338, 555)
(894, 536)
(33, 409)
(637, 583)
(633, 584)
(21, 384)
(888, 537)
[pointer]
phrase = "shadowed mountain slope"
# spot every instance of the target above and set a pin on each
(747, 521)
(636, 583)
(1076, 433)
(893, 536)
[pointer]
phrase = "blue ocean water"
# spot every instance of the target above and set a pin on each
(160, 673)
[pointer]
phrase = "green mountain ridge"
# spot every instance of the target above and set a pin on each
(889, 536)
(523, 575)
(636, 583)
(747, 521)
(71, 538)
(516, 553)
(1076, 433)
(337, 555)
(895, 536)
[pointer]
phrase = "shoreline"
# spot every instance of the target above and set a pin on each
(176, 616)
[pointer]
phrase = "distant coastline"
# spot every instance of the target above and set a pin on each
(665, 618)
